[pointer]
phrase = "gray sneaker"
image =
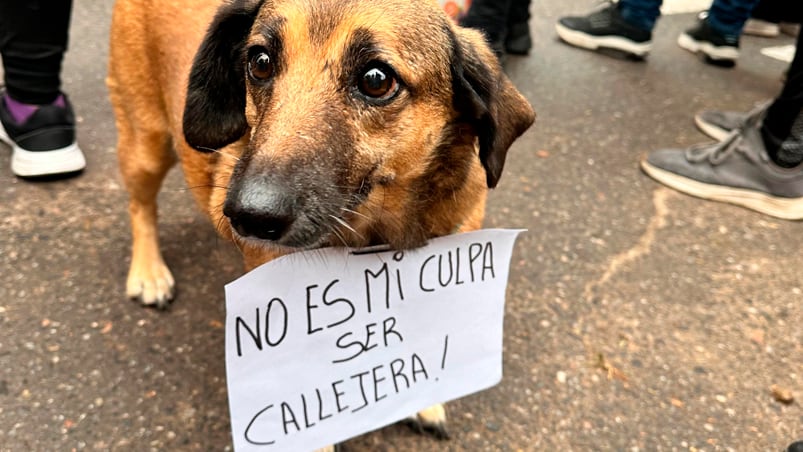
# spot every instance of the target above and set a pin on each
(719, 124)
(736, 170)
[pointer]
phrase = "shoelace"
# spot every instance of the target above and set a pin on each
(603, 5)
(757, 112)
(600, 16)
(719, 152)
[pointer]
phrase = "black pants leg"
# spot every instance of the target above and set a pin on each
(33, 39)
(777, 11)
(519, 12)
(490, 16)
(782, 129)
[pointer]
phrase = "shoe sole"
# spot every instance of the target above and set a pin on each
(721, 54)
(783, 208)
(713, 131)
(26, 163)
(590, 42)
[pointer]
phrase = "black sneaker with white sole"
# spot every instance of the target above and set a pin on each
(716, 47)
(44, 144)
(605, 29)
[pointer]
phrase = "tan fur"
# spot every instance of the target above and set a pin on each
(414, 195)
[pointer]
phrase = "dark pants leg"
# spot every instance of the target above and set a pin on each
(728, 16)
(518, 12)
(640, 13)
(33, 39)
(490, 16)
(782, 129)
(774, 10)
(518, 40)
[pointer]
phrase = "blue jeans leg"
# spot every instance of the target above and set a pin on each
(640, 13)
(727, 17)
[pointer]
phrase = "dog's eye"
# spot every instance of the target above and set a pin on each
(378, 82)
(260, 66)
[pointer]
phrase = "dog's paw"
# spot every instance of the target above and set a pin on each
(431, 421)
(153, 285)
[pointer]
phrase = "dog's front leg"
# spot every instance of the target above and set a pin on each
(144, 162)
(149, 279)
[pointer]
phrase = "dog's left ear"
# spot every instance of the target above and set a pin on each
(214, 112)
(487, 100)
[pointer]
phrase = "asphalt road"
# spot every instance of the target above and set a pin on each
(637, 318)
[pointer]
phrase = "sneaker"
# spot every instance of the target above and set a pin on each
(760, 27)
(605, 28)
(790, 29)
(716, 47)
(736, 170)
(43, 145)
(719, 124)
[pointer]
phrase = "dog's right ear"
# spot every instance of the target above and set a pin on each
(487, 100)
(214, 112)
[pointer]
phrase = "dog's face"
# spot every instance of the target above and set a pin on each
(363, 120)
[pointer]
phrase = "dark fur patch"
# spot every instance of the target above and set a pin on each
(471, 97)
(362, 48)
(488, 102)
(214, 114)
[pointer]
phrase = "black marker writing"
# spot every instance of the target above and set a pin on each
(445, 269)
(274, 308)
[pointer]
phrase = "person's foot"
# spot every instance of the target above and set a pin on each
(761, 27)
(518, 40)
(605, 29)
(790, 29)
(717, 48)
(736, 170)
(719, 124)
(42, 138)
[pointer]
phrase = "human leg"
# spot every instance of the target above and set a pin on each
(757, 166)
(717, 35)
(727, 17)
(33, 39)
(518, 40)
(640, 13)
(491, 17)
(36, 118)
(782, 129)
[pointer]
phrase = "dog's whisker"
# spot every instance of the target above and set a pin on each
(346, 226)
(196, 187)
(338, 235)
(354, 212)
(219, 152)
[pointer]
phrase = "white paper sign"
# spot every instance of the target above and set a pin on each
(325, 345)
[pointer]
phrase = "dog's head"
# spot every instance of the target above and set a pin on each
(364, 120)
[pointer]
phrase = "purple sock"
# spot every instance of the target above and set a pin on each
(21, 112)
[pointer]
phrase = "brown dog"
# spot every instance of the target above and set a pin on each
(307, 123)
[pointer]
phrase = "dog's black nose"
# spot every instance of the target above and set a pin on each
(258, 210)
(259, 224)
